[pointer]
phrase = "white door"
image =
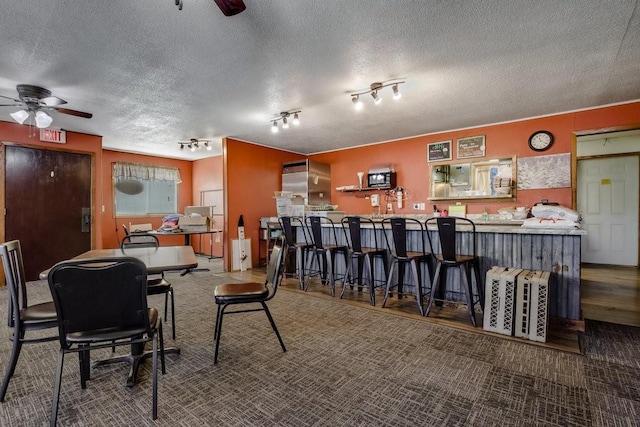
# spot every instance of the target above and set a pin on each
(608, 202)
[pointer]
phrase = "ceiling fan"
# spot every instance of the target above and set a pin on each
(37, 102)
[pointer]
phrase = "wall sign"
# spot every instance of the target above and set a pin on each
(472, 146)
(439, 151)
(53, 135)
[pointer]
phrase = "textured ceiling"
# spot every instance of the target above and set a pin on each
(153, 75)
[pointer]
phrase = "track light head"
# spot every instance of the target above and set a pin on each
(274, 127)
(375, 97)
(357, 102)
(396, 93)
(208, 146)
(296, 119)
(192, 147)
(285, 125)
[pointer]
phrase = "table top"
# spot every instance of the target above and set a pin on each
(181, 233)
(157, 260)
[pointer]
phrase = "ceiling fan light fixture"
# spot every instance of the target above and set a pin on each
(20, 116)
(43, 120)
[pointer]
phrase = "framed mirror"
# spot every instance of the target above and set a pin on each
(483, 179)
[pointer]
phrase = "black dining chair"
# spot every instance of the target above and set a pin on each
(402, 257)
(102, 302)
(301, 250)
(325, 248)
(22, 317)
(237, 294)
(156, 285)
(454, 255)
(364, 256)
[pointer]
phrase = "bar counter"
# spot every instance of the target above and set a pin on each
(503, 243)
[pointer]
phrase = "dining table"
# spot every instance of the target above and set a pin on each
(157, 260)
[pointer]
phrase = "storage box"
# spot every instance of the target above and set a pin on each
(532, 305)
(500, 295)
(195, 224)
(139, 228)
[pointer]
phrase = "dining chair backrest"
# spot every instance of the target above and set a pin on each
(99, 296)
(139, 240)
(126, 230)
(275, 268)
(354, 236)
(398, 227)
(14, 276)
(447, 227)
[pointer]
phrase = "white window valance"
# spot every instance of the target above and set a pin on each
(146, 172)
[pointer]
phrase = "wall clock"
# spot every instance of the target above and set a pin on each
(540, 140)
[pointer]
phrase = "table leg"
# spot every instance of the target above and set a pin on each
(187, 242)
(138, 355)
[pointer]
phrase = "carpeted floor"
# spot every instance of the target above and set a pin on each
(345, 366)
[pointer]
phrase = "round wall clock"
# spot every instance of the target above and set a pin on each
(540, 140)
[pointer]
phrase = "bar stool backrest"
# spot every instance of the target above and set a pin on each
(398, 226)
(287, 223)
(447, 236)
(354, 237)
(315, 222)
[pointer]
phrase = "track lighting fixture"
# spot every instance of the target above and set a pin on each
(196, 144)
(285, 123)
(374, 90)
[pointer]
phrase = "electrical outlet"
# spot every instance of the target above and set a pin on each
(389, 207)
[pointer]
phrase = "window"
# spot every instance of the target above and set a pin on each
(144, 189)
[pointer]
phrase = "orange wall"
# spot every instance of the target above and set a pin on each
(409, 157)
(77, 143)
(207, 175)
(112, 227)
(252, 174)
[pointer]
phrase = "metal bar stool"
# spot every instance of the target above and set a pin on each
(324, 253)
(401, 257)
(364, 256)
(451, 243)
(301, 249)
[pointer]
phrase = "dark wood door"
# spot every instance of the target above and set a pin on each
(45, 193)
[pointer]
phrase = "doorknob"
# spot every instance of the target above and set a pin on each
(86, 220)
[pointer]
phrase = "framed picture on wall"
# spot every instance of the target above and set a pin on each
(438, 151)
(472, 146)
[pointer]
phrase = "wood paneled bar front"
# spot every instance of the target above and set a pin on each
(505, 244)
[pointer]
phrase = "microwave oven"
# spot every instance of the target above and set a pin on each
(381, 179)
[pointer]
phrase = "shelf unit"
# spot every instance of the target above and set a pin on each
(268, 237)
(364, 189)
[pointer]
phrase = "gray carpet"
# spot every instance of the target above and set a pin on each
(345, 366)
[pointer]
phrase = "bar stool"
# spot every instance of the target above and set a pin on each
(300, 249)
(401, 257)
(325, 252)
(451, 247)
(364, 256)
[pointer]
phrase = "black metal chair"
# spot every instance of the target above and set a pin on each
(102, 302)
(250, 293)
(364, 256)
(155, 285)
(401, 257)
(22, 317)
(300, 249)
(451, 246)
(324, 253)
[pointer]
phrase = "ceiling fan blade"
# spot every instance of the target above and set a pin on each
(73, 112)
(11, 105)
(52, 101)
(231, 7)
(13, 99)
